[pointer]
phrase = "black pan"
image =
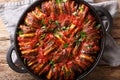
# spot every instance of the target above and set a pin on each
(98, 12)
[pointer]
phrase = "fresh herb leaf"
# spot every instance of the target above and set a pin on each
(64, 28)
(89, 46)
(20, 32)
(77, 42)
(81, 39)
(51, 63)
(86, 20)
(63, 68)
(55, 31)
(42, 36)
(68, 73)
(42, 21)
(98, 26)
(43, 27)
(83, 34)
(66, 45)
(37, 45)
(50, 21)
(57, 23)
(75, 13)
(24, 60)
(60, 35)
(81, 9)
(64, 0)
(57, 1)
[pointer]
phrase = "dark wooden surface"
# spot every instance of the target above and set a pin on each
(101, 72)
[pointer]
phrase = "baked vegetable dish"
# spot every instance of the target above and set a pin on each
(59, 39)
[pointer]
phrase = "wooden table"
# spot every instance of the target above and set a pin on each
(102, 72)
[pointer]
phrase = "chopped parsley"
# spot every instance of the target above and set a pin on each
(55, 31)
(64, 0)
(66, 45)
(68, 73)
(75, 13)
(63, 68)
(89, 46)
(51, 63)
(42, 36)
(43, 27)
(42, 21)
(50, 21)
(64, 28)
(37, 45)
(60, 35)
(20, 32)
(86, 20)
(58, 1)
(77, 42)
(98, 26)
(57, 23)
(81, 9)
(83, 35)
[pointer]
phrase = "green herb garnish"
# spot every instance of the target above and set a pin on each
(43, 27)
(89, 46)
(86, 20)
(50, 21)
(42, 36)
(81, 9)
(75, 13)
(55, 31)
(98, 26)
(60, 35)
(20, 32)
(63, 68)
(51, 63)
(37, 45)
(68, 73)
(64, 0)
(66, 45)
(77, 42)
(57, 1)
(83, 34)
(42, 21)
(57, 23)
(64, 28)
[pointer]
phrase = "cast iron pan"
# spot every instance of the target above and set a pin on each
(98, 12)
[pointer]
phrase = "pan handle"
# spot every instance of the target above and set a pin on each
(10, 62)
(105, 17)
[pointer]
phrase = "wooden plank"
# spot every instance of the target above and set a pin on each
(115, 33)
(116, 21)
(4, 45)
(7, 74)
(104, 73)
(118, 41)
(2, 1)
(4, 35)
